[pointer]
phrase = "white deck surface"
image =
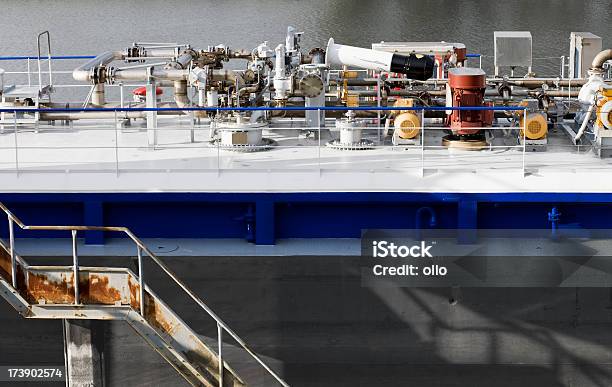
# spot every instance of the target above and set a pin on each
(94, 157)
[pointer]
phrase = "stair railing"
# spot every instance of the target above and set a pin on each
(40, 59)
(140, 247)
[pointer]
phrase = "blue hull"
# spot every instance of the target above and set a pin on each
(264, 217)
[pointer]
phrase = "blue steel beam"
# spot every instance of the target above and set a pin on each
(324, 197)
(265, 225)
(93, 215)
(303, 214)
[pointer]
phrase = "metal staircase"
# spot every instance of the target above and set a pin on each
(107, 293)
(35, 93)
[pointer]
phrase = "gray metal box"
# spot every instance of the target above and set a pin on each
(512, 48)
(583, 48)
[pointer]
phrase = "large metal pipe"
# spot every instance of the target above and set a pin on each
(87, 71)
(89, 115)
(527, 83)
(227, 75)
(585, 122)
(74, 116)
(601, 58)
(160, 52)
(183, 60)
(97, 97)
(442, 93)
(180, 94)
(413, 66)
(143, 74)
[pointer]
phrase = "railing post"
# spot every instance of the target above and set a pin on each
(121, 94)
(378, 98)
(141, 282)
(116, 146)
(192, 118)
(29, 75)
(319, 129)
(15, 142)
(524, 137)
(12, 248)
(422, 142)
(75, 267)
(214, 126)
(220, 351)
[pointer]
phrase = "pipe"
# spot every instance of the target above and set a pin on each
(166, 52)
(87, 71)
(279, 66)
(97, 97)
(143, 74)
(553, 217)
(226, 75)
(587, 117)
(532, 83)
(417, 221)
(432, 217)
(414, 66)
(248, 89)
(388, 124)
(601, 58)
(317, 56)
(183, 60)
(442, 93)
(180, 94)
(74, 116)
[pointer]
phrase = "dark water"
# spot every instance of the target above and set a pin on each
(89, 26)
(314, 322)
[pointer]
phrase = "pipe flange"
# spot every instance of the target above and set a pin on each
(98, 75)
(364, 144)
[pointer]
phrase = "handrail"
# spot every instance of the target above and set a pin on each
(44, 33)
(69, 57)
(54, 57)
(262, 108)
(142, 247)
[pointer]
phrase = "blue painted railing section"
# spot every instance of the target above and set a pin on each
(60, 57)
(72, 57)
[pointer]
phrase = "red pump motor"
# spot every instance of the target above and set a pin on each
(467, 88)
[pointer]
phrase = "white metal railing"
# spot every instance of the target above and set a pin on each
(41, 60)
(563, 63)
(29, 156)
(140, 248)
(18, 145)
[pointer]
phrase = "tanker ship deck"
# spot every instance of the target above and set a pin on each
(347, 133)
